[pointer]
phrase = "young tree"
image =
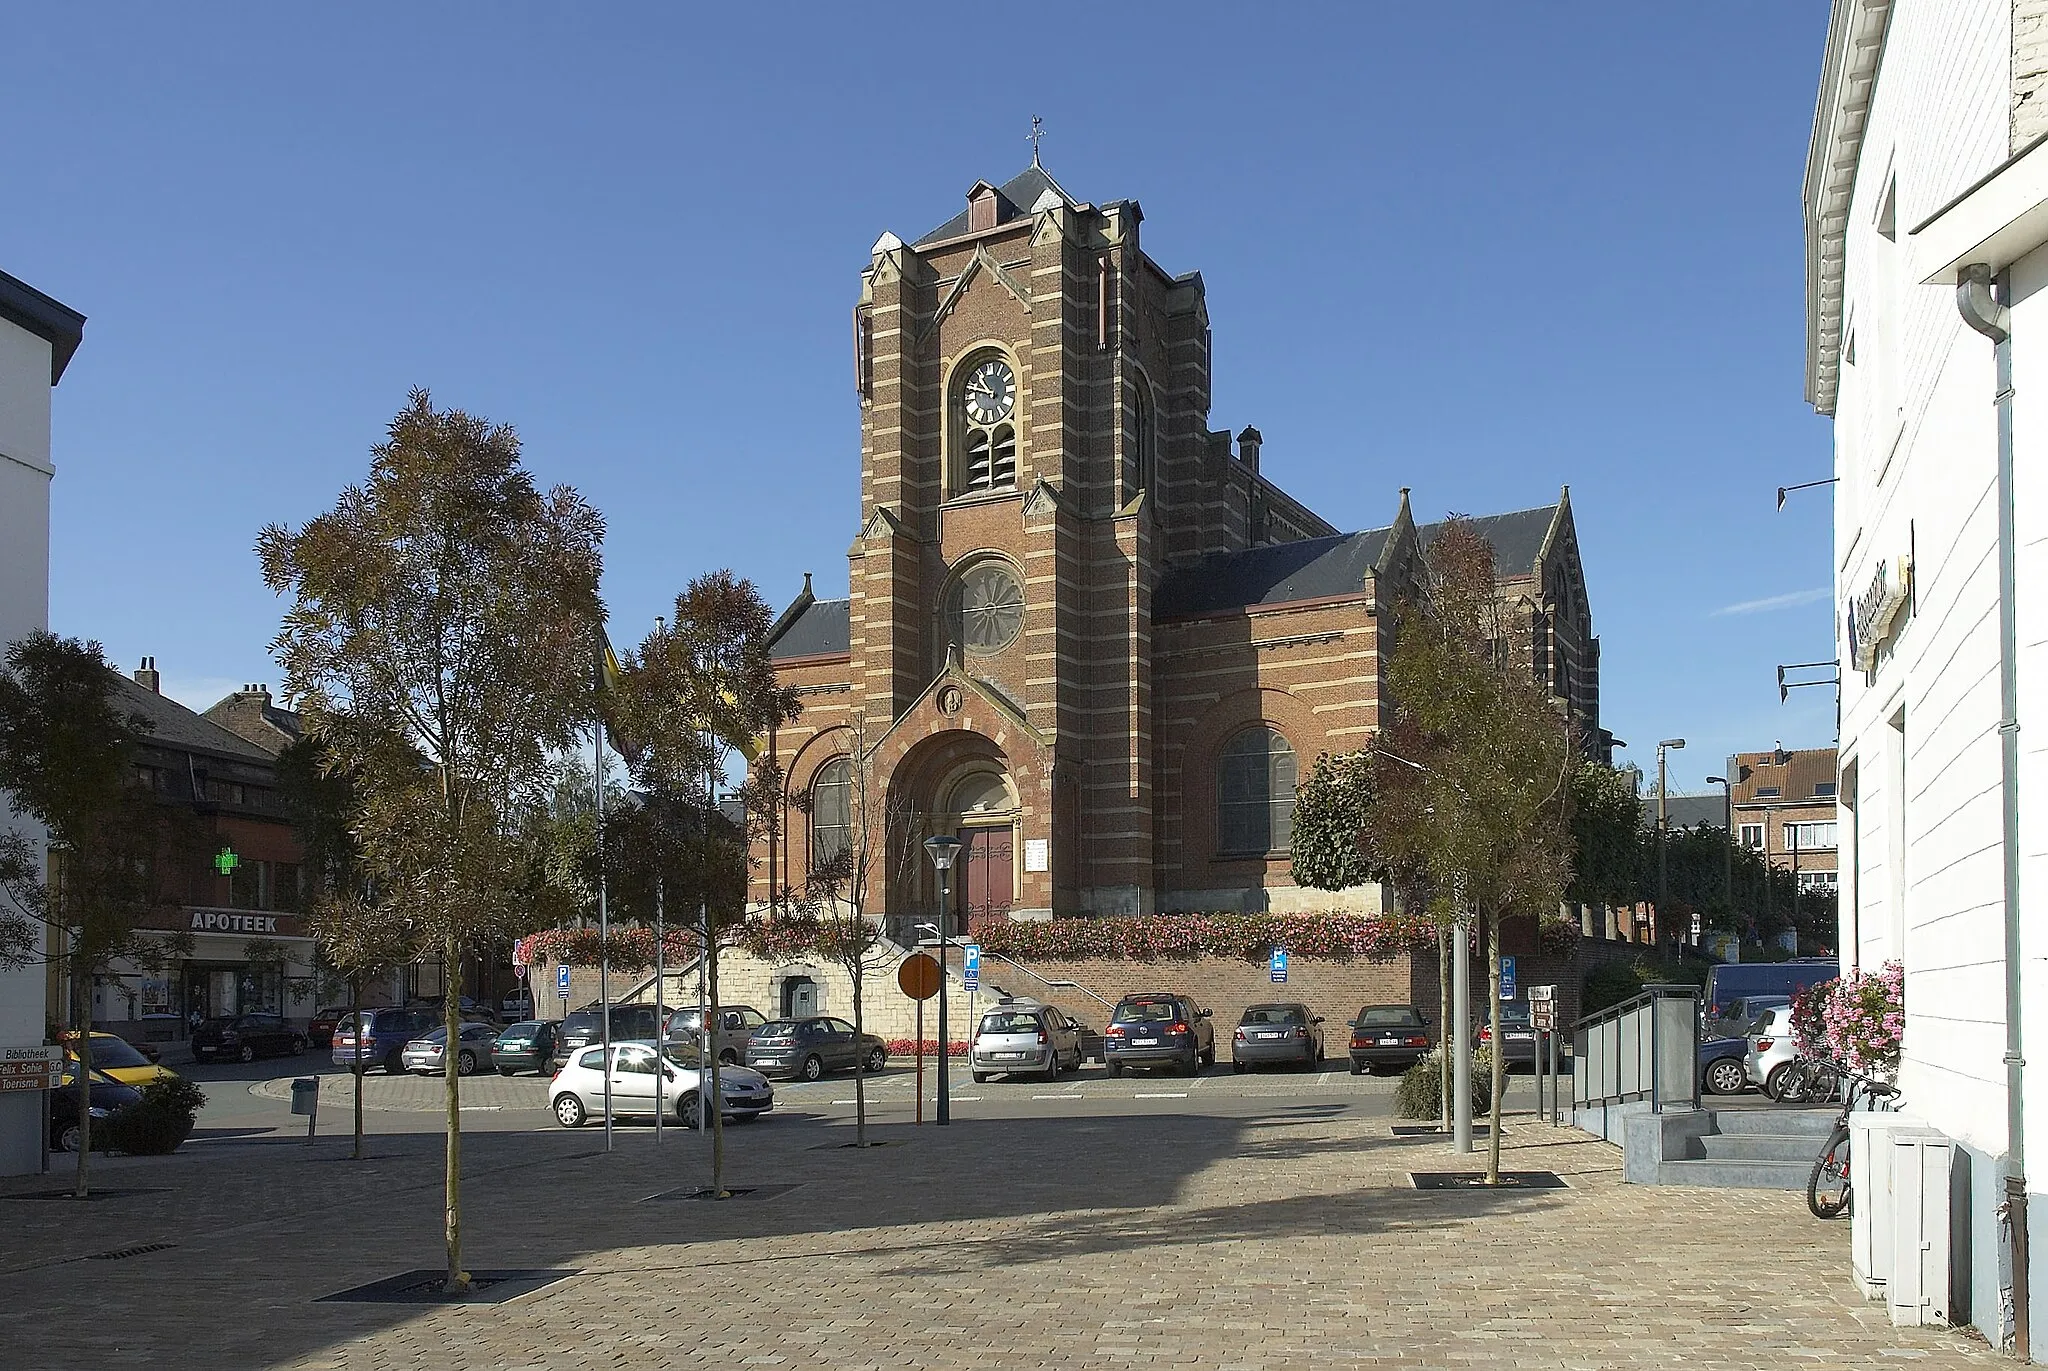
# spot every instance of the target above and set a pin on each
(699, 689)
(1472, 777)
(67, 760)
(362, 937)
(444, 621)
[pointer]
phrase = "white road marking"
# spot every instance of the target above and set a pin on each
(1070, 1095)
(1172, 1095)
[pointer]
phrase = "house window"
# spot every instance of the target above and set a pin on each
(1824, 790)
(831, 811)
(1255, 778)
(1819, 880)
(1767, 792)
(1818, 837)
(1753, 836)
(984, 411)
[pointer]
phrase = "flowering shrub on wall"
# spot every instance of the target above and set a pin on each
(1186, 936)
(907, 1047)
(632, 948)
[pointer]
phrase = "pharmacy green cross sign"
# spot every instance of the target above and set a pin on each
(226, 862)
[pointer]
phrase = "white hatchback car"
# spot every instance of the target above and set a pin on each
(577, 1092)
(1771, 1048)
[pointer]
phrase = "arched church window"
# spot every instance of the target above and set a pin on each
(1141, 452)
(984, 411)
(983, 792)
(831, 811)
(1255, 777)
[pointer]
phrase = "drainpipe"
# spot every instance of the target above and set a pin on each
(1978, 302)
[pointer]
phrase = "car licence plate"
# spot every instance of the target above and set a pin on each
(1144, 1042)
(1390, 1042)
(1269, 1035)
(1012, 1056)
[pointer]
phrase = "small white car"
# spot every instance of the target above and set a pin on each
(577, 1092)
(1771, 1048)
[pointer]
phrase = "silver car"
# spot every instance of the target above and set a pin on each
(1024, 1037)
(737, 1023)
(426, 1054)
(643, 1084)
(1284, 1034)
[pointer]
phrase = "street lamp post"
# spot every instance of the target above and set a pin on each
(1663, 827)
(943, 850)
(1728, 825)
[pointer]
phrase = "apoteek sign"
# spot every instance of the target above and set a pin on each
(221, 921)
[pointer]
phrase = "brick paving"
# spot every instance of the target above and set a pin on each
(1280, 1233)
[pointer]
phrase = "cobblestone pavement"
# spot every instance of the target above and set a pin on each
(1281, 1234)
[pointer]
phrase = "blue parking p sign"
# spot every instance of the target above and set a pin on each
(970, 965)
(1279, 966)
(562, 982)
(1507, 978)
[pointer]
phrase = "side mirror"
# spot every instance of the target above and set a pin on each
(1205, 1014)
(1315, 1018)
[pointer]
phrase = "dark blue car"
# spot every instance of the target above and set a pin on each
(377, 1037)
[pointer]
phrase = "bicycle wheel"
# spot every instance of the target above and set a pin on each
(1823, 1079)
(1827, 1189)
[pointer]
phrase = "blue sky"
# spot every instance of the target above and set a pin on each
(1481, 250)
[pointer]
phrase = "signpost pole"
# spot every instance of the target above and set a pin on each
(1461, 1058)
(919, 1050)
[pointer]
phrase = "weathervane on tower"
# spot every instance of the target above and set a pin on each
(1037, 132)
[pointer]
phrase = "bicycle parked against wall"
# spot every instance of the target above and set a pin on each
(1804, 1080)
(1827, 1189)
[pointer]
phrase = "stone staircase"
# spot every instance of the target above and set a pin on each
(1764, 1148)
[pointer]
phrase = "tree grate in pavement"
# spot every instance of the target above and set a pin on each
(121, 1253)
(116, 1194)
(732, 1192)
(1476, 1180)
(834, 1147)
(424, 1287)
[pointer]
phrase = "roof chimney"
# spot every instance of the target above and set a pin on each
(146, 677)
(1248, 447)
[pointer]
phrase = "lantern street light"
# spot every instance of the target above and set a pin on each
(944, 850)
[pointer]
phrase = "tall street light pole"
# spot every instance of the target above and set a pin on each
(943, 850)
(1728, 837)
(1663, 827)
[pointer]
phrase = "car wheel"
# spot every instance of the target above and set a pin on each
(507, 1071)
(68, 1138)
(1113, 1068)
(1237, 1066)
(877, 1059)
(394, 1065)
(247, 1054)
(1193, 1065)
(298, 1045)
(1774, 1084)
(1726, 1077)
(687, 1109)
(981, 1078)
(465, 1063)
(813, 1067)
(728, 1058)
(569, 1111)
(1052, 1067)
(1209, 1055)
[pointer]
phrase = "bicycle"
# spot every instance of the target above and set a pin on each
(1804, 1080)
(1827, 1188)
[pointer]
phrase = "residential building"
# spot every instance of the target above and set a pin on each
(1927, 345)
(1784, 805)
(37, 339)
(1087, 634)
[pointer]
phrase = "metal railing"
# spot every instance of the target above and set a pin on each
(1046, 981)
(1646, 1048)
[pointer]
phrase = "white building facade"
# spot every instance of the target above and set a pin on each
(1927, 331)
(37, 337)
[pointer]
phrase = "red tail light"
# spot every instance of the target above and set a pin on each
(1418, 1041)
(1115, 1030)
(1239, 1035)
(1041, 1037)
(1301, 1032)
(1763, 1044)
(1357, 1041)
(1178, 1028)
(1486, 1035)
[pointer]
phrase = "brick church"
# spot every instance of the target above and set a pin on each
(1086, 634)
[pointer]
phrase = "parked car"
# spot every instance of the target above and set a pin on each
(1021, 1037)
(1516, 1028)
(1738, 1017)
(245, 1037)
(583, 1027)
(377, 1037)
(117, 1057)
(526, 1046)
(737, 1023)
(1390, 1035)
(107, 1096)
(1165, 1029)
(1721, 1067)
(427, 1055)
(811, 1047)
(320, 1030)
(578, 1091)
(467, 1009)
(1287, 1034)
(1771, 1050)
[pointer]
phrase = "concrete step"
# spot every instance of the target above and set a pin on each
(1783, 1123)
(1729, 1173)
(1758, 1147)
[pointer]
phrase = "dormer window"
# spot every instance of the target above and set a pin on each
(982, 209)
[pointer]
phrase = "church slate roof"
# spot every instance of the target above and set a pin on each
(1313, 568)
(1015, 197)
(819, 628)
(1275, 574)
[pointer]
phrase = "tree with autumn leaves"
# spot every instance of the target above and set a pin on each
(1466, 791)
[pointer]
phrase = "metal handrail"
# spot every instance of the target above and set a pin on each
(1628, 1085)
(1047, 981)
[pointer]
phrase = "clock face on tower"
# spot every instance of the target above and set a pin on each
(991, 392)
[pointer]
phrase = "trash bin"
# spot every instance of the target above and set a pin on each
(306, 1095)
